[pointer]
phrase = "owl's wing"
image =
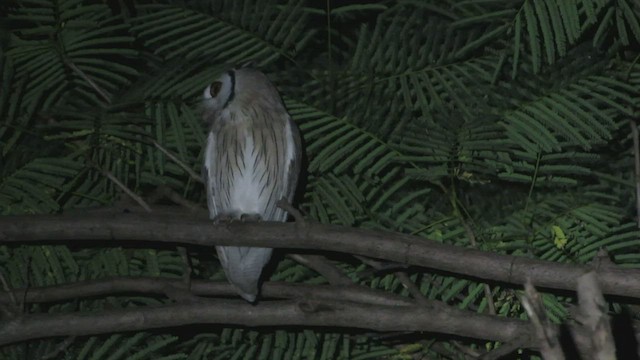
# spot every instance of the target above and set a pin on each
(293, 160)
(286, 166)
(208, 172)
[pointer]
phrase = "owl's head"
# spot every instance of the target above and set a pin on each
(239, 88)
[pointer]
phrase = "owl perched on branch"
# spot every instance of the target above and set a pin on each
(251, 160)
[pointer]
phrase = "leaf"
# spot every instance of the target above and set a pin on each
(559, 238)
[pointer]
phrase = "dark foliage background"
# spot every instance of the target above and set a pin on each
(502, 125)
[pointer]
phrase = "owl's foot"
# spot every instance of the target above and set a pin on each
(223, 219)
(250, 217)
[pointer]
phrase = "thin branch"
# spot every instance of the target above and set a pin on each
(379, 266)
(413, 289)
(179, 162)
(316, 262)
(178, 227)
(273, 313)
(126, 190)
(472, 238)
(324, 267)
(402, 276)
(62, 346)
(165, 192)
(467, 351)
(286, 206)
(9, 291)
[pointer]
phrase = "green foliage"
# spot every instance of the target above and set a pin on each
(501, 125)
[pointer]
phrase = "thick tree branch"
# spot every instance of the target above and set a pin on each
(272, 313)
(159, 286)
(178, 227)
(332, 301)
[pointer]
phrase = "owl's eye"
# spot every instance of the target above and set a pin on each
(214, 89)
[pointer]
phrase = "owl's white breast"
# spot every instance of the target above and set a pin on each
(248, 194)
(240, 188)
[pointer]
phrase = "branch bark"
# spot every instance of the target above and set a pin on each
(329, 304)
(160, 286)
(179, 227)
(272, 313)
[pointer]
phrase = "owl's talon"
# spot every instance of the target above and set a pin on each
(223, 219)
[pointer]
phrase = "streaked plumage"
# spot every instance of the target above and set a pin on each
(251, 160)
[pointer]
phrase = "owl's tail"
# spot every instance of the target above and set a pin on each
(243, 266)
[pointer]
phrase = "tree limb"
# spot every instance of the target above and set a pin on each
(179, 227)
(159, 286)
(270, 313)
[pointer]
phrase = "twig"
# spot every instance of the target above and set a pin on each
(379, 266)
(469, 352)
(323, 267)
(5, 286)
(411, 287)
(127, 191)
(400, 275)
(472, 238)
(59, 349)
(164, 191)
(285, 205)
(181, 164)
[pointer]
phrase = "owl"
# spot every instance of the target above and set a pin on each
(251, 160)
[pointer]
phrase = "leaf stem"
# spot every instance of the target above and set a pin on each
(533, 182)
